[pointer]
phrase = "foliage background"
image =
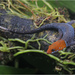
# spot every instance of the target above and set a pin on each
(37, 61)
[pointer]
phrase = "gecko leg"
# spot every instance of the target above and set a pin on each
(3, 28)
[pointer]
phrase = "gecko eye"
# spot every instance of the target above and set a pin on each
(53, 50)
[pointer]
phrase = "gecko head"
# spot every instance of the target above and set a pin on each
(56, 46)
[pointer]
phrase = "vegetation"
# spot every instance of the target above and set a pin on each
(64, 60)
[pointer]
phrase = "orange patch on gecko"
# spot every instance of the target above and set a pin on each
(58, 45)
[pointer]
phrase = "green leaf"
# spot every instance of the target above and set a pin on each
(39, 59)
(11, 70)
(67, 4)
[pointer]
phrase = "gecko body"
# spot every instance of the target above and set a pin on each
(66, 30)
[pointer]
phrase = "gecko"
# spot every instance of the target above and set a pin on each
(66, 35)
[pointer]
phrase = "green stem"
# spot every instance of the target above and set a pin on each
(48, 4)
